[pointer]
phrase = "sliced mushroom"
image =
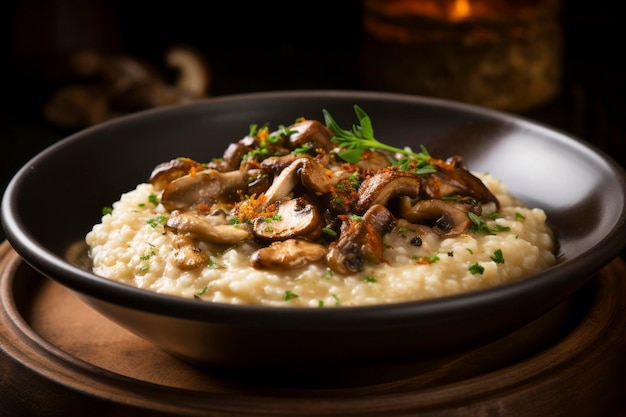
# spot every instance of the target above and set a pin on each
(287, 254)
(194, 76)
(188, 256)
(296, 217)
(361, 241)
(167, 172)
(452, 178)
(446, 217)
(233, 155)
(303, 170)
(205, 187)
(373, 161)
(384, 185)
(311, 132)
(198, 226)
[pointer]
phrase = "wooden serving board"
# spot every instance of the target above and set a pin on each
(58, 357)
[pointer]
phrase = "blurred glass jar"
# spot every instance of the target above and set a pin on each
(502, 54)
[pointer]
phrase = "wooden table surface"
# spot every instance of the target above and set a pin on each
(59, 357)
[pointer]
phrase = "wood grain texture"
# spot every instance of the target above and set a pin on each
(58, 357)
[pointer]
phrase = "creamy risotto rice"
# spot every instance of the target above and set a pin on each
(156, 239)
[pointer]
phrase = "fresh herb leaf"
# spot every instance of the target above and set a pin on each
(481, 226)
(361, 138)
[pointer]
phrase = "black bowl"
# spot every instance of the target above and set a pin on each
(57, 197)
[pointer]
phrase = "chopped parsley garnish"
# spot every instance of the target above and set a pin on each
(290, 295)
(370, 278)
(107, 210)
(480, 226)
(476, 268)
(153, 199)
(497, 256)
(155, 221)
(353, 179)
(275, 217)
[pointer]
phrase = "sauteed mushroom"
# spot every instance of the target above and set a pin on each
(453, 178)
(384, 185)
(166, 172)
(304, 170)
(313, 133)
(446, 217)
(373, 161)
(205, 187)
(235, 152)
(361, 240)
(187, 255)
(197, 226)
(287, 254)
(295, 217)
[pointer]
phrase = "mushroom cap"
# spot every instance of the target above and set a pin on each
(311, 132)
(384, 185)
(453, 178)
(166, 172)
(287, 254)
(295, 217)
(205, 187)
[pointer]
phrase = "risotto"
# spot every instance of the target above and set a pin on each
(311, 215)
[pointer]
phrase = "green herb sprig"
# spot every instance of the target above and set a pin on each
(361, 138)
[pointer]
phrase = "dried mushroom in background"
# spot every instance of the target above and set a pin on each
(108, 86)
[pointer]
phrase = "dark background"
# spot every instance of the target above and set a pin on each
(261, 46)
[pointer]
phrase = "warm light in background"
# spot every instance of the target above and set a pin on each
(461, 9)
(504, 54)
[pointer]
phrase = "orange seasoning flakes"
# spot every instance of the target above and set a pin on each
(253, 207)
(263, 134)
